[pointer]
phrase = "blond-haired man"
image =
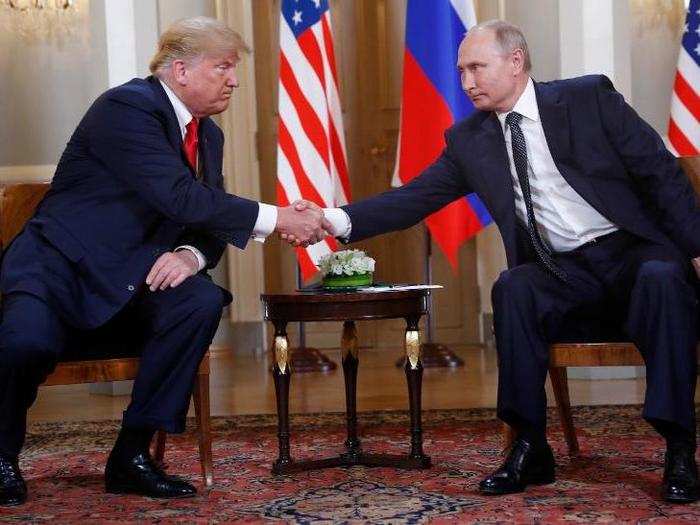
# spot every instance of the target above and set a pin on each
(135, 216)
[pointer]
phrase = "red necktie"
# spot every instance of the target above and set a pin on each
(189, 145)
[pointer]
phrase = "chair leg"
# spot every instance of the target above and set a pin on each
(508, 434)
(202, 412)
(560, 386)
(160, 447)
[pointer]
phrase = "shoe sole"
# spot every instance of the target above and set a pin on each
(672, 499)
(130, 490)
(544, 480)
(13, 503)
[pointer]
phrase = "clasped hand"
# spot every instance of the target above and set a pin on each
(302, 223)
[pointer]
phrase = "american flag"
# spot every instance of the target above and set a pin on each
(683, 127)
(311, 158)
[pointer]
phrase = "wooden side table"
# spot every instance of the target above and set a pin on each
(349, 307)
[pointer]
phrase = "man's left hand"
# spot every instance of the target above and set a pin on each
(171, 269)
(696, 265)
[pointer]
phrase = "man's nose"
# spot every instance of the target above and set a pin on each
(232, 80)
(467, 81)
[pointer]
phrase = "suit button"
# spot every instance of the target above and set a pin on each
(130, 288)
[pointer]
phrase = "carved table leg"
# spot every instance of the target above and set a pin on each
(348, 344)
(414, 378)
(281, 372)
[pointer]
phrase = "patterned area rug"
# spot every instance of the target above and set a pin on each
(614, 480)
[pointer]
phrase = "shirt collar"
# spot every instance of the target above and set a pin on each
(181, 112)
(526, 105)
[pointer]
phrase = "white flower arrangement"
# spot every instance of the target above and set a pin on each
(346, 262)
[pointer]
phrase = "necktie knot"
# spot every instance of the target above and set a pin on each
(192, 127)
(513, 119)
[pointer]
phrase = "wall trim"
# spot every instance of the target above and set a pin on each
(27, 173)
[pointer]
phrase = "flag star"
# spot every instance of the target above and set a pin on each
(697, 30)
(318, 4)
(697, 50)
(296, 18)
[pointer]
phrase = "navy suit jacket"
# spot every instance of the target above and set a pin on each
(603, 149)
(123, 194)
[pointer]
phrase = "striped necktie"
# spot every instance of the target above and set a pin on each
(518, 145)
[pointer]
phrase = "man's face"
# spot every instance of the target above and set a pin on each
(207, 83)
(489, 77)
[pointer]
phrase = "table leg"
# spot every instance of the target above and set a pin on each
(414, 378)
(348, 344)
(281, 372)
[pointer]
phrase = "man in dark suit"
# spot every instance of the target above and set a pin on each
(135, 216)
(595, 215)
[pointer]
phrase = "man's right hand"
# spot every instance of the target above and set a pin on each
(301, 226)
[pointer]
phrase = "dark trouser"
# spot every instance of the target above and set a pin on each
(645, 283)
(176, 326)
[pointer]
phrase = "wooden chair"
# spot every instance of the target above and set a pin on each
(102, 362)
(613, 353)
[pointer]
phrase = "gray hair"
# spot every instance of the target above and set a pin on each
(192, 37)
(509, 37)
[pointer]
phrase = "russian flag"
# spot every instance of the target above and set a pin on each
(433, 100)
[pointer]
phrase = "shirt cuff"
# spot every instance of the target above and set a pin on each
(201, 260)
(340, 222)
(265, 223)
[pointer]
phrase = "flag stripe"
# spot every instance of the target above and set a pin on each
(465, 11)
(339, 171)
(308, 190)
(314, 166)
(685, 120)
(687, 95)
(307, 117)
(688, 68)
(303, 72)
(680, 142)
(308, 44)
(328, 41)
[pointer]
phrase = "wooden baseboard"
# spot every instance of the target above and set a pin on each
(28, 173)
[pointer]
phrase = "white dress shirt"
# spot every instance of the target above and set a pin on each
(267, 214)
(564, 219)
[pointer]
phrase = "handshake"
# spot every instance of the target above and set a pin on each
(302, 223)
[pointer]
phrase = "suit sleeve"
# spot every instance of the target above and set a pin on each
(655, 170)
(132, 143)
(440, 184)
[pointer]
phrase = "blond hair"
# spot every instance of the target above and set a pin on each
(193, 37)
(509, 37)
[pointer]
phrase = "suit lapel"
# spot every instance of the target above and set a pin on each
(554, 114)
(207, 162)
(497, 177)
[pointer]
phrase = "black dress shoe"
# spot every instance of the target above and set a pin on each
(680, 483)
(140, 475)
(13, 489)
(525, 465)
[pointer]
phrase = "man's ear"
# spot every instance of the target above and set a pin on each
(518, 60)
(179, 71)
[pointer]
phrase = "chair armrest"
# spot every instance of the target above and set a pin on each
(18, 202)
